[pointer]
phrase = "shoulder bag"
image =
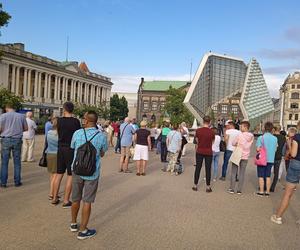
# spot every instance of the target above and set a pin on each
(261, 156)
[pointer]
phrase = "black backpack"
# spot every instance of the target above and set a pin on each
(85, 160)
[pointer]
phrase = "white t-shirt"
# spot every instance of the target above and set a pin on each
(216, 144)
(29, 134)
(232, 134)
(158, 131)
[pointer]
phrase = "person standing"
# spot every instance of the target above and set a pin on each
(268, 141)
(244, 140)
(110, 134)
(85, 187)
(230, 134)
(204, 138)
(164, 133)
(127, 132)
(292, 178)
(174, 142)
(158, 139)
(28, 139)
(185, 134)
(142, 147)
(278, 155)
(51, 152)
(152, 136)
(66, 126)
(48, 125)
(216, 153)
(12, 126)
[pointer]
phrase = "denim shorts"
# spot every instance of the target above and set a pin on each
(293, 173)
(264, 171)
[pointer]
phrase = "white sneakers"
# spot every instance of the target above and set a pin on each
(275, 219)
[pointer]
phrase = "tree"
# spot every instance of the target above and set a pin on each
(8, 97)
(118, 108)
(175, 108)
(4, 17)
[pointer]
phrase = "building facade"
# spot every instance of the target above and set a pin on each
(45, 84)
(228, 87)
(151, 98)
(290, 101)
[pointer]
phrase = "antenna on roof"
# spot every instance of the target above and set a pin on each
(191, 69)
(67, 53)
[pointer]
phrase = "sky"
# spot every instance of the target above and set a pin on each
(158, 39)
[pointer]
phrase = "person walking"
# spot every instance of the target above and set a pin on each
(186, 135)
(28, 139)
(216, 153)
(204, 138)
(281, 140)
(85, 187)
(244, 140)
(12, 126)
(174, 142)
(292, 178)
(118, 135)
(268, 141)
(127, 132)
(110, 134)
(164, 150)
(51, 152)
(153, 131)
(142, 147)
(230, 134)
(158, 139)
(66, 126)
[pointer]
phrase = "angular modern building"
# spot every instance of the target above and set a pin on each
(229, 88)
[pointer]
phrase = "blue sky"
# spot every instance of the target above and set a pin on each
(155, 39)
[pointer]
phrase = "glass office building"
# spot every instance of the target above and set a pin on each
(228, 87)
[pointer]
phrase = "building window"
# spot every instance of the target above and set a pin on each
(154, 106)
(298, 86)
(224, 109)
(295, 95)
(290, 116)
(293, 86)
(215, 108)
(294, 106)
(52, 93)
(296, 117)
(162, 105)
(146, 105)
(235, 109)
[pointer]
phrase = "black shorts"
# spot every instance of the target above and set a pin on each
(65, 157)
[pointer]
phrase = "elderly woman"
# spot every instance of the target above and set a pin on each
(142, 147)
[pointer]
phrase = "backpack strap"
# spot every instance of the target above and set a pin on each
(94, 136)
(85, 135)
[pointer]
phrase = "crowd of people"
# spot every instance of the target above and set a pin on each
(76, 149)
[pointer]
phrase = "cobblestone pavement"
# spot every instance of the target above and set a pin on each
(157, 211)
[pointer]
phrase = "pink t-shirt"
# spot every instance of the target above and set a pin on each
(244, 140)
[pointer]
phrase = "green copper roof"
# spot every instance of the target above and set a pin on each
(162, 85)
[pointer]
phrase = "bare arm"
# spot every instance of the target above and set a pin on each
(294, 149)
(149, 142)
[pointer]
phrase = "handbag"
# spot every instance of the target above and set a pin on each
(236, 155)
(261, 156)
(222, 146)
(43, 160)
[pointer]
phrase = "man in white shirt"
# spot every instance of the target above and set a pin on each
(28, 139)
(230, 134)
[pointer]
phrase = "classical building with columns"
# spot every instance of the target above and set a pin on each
(45, 84)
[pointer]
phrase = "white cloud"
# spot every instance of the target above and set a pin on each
(274, 82)
(127, 83)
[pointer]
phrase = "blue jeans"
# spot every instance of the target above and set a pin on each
(227, 155)
(216, 156)
(8, 145)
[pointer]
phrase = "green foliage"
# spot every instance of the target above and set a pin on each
(118, 108)
(101, 110)
(6, 97)
(175, 108)
(4, 17)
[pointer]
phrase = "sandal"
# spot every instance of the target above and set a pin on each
(50, 197)
(138, 174)
(143, 174)
(55, 203)
(195, 188)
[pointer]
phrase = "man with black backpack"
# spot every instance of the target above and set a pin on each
(89, 145)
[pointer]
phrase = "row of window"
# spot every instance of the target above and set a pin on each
(225, 108)
(295, 117)
(154, 106)
(294, 86)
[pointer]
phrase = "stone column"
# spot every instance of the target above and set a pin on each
(46, 86)
(58, 88)
(64, 89)
(17, 81)
(36, 84)
(13, 79)
(73, 89)
(92, 95)
(39, 95)
(25, 82)
(80, 92)
(29, 83)
(55, 88)
(49, 86)
(85, 93)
